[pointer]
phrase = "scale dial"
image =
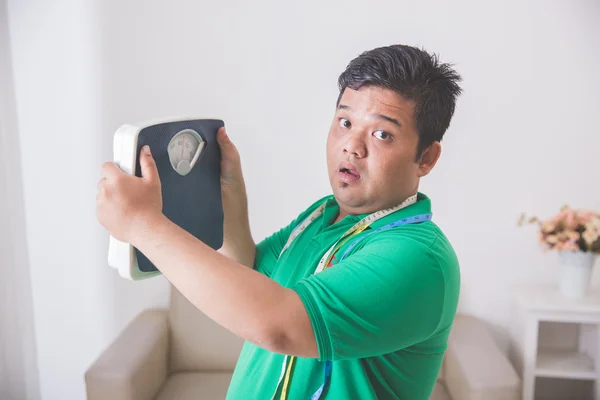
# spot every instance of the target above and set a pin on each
(184, 150)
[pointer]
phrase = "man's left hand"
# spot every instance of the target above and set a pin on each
(126, 205)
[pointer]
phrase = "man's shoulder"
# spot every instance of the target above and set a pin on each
(425, 241)
(420, 248)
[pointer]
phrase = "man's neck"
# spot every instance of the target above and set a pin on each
(340, 217)
(342, 214)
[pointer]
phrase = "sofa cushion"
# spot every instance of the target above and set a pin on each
(195, 386)
(197, 342)
(439, 392)
(475, 367)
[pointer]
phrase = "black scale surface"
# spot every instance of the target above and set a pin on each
(192, 201)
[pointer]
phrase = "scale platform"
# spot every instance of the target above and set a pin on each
(188, 159)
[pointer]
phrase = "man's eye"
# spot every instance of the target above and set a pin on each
(344, 123)
(382, 135)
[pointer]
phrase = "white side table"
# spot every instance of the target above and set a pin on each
(555, 337)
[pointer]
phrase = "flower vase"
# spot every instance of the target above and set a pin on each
(575, 273)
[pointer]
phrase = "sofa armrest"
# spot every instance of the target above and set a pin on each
(475, 368)
(134, 366)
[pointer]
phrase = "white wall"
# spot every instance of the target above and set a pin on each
(18, 367)
(80, 304)
(523, 131)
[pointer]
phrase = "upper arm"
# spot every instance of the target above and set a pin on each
(292, 332)
(386, 296)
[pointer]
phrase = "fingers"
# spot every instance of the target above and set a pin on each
(101, 190)
(102, 185)
(228, 150)
(149, 170)
(222, 137)
(112, 174)
(110, 170)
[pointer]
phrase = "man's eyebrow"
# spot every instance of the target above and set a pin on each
(379, 116)
(389, 119)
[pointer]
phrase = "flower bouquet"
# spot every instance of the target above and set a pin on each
(575, 235)
(569, 230)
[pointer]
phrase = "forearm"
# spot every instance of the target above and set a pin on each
(240, 299)
(238, 243)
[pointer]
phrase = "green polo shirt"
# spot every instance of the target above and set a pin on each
(382, 315)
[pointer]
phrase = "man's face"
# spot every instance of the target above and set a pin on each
(371, 150)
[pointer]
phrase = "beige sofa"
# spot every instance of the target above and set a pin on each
(180, 354)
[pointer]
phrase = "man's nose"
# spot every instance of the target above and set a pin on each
(355, 145)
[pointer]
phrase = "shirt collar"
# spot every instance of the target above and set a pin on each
(421, 206)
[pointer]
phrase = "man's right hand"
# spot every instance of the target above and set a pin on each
(237, 239)
(231, 167)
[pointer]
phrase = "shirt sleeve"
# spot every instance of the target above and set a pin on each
(384, 297)
(268, 250)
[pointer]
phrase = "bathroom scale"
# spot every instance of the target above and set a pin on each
(188, 159)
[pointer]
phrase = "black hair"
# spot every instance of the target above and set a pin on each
(415, 75)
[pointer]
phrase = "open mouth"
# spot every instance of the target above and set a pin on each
(349, 171)
(349, 174)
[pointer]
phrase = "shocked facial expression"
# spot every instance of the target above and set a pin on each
(371, 151)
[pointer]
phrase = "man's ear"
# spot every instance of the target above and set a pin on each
(429, 158)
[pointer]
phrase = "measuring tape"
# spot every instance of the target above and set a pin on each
(288, 362)
(360, 225)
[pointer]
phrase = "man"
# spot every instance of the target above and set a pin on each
(355, 298)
